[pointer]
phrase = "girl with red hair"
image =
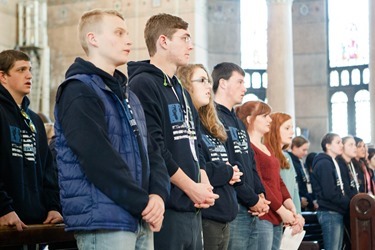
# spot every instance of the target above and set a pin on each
(278, 139)
(256, 117)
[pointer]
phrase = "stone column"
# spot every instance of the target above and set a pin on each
(372, 67)
(280, 90)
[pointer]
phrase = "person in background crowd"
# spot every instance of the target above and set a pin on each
(350, 179)
(222, 175)
(329, 188)
(365, 175)
(256, 116)
(229, 89)
(299, 148)
(371, 161)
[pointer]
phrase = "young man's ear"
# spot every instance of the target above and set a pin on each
(163, 41)
(222, 84)
(91, 39)
(2, 76)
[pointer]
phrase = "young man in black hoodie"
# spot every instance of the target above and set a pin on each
(29, 192)
(172, 122)
(113, 180)
(229, 89)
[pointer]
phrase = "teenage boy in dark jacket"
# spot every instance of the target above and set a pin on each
(113, 180)
(229, 89)
(29, 191)
(172, 121)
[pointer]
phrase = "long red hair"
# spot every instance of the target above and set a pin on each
(273, 138)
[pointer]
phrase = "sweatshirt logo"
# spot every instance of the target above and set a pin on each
(23, 143)
(15, 135)
(175, 113)
(240, 143)
(216, 148)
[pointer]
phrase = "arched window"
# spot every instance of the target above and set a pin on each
(339, 111)
(362, 111)
(349, 75)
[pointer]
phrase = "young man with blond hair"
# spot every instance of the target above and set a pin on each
(113, 180)
(173, 122)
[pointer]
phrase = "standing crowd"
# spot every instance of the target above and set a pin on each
(166, 157)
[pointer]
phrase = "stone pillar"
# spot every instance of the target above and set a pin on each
(372, 67)
(280, 90)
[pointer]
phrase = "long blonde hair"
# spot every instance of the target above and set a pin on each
(207, 113)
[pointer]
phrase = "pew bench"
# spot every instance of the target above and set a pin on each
(36, 234)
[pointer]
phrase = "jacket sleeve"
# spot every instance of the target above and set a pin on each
(245, 192)
(81, 114)
(149, 97)
(219, 173)
(159, 178)
(50, 186)
(5, 200)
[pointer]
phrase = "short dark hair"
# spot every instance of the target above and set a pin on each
(327, 139)
(9, 57)
(224, 70)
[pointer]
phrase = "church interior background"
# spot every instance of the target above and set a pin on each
(309, 58)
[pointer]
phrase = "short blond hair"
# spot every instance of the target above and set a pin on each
(89, 22)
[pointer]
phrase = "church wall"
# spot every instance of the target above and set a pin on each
(310, 68)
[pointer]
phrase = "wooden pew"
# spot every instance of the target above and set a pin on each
(35, 234)
(313, 238)
(362, 222)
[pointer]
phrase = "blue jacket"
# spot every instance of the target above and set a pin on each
(104, 171)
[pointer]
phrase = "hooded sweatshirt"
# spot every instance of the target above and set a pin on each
(28, 177)
(326, 185)
(81, 114)
(172, 122)
(219, 173)
(240, 154)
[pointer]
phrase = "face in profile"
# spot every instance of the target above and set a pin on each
(335, 147)
(262, 123)
(113, 40)
(286, 132)
(361, 149)
(200, 88)
(350, 149)
(180, 47)
(236, 88)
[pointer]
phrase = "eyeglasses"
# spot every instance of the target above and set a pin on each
(186, 38)
(204, 81)
(28, 121)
